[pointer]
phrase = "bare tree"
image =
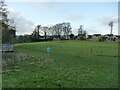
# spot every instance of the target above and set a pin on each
(82, 33)
(53, 31)
(66, 30)
(36, 33)
(58, 30)
(8, 31)
(44, 29)
(50, 31)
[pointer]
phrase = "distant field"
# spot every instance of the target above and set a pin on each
(71, 64)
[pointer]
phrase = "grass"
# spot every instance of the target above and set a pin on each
(71, 64)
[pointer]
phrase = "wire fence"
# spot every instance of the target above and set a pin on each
(12, 58)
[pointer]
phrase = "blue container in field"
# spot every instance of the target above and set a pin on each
(49, 49)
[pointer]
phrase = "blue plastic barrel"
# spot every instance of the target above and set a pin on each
(49, 49)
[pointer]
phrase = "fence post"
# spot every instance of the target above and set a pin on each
(101, 53)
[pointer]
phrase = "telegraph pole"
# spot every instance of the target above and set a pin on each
(111, 26)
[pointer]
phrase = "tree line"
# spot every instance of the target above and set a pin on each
(60, 31)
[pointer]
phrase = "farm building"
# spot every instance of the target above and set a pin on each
(89, 37)
(107, 37)
(116, 38)
(94, 37)
(112, 37)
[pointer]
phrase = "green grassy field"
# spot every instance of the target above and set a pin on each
(71, 64)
